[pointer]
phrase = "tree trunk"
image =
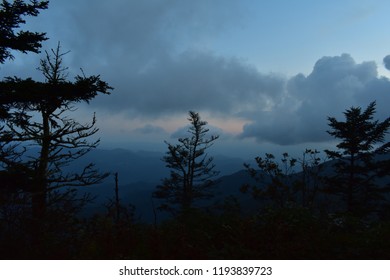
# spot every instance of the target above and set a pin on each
(39, 195)
(351, 185)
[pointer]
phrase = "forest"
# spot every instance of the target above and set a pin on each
(289, 208)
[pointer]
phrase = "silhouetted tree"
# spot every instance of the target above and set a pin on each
(25, 41)
(357, 163)
(311, 179)
(274, 185)
(10, 20)
(121, 214)
(37, 117)
(192, 169)
(280, 185)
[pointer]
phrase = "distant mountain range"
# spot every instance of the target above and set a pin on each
(144, 166)
(140, 172)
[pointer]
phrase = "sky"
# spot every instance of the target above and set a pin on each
(265, 75)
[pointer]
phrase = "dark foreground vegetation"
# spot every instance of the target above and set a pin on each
(277, 234)
(338, 209)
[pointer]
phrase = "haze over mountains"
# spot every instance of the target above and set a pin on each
(139, 172)
(146, 166)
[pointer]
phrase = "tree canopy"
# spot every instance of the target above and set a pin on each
(192, 169)
(11, 17)
(357, 164)
(33, 115)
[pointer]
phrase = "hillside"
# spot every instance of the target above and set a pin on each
(140, 172)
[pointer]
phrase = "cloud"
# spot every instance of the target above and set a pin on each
(155, 54)
(335, 84)
(194, 81)
(119, 39)
(386, 62)
(133, 34)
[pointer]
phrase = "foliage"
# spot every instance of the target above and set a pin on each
(192, 169)
(10, 20)
(280, 185)
(276, 234)
(36, 116)
(357, 162)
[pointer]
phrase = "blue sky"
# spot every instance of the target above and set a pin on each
(264, 74)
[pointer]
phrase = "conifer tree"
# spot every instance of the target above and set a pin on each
(37, 116)
(11, 17)
(357, 164)
(192, 169)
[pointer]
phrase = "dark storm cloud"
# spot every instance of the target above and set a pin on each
(148, 51)
(335, 84)
(120, 39)
(386, 62)
(194, 81)
(151, 52)
(130, 35)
